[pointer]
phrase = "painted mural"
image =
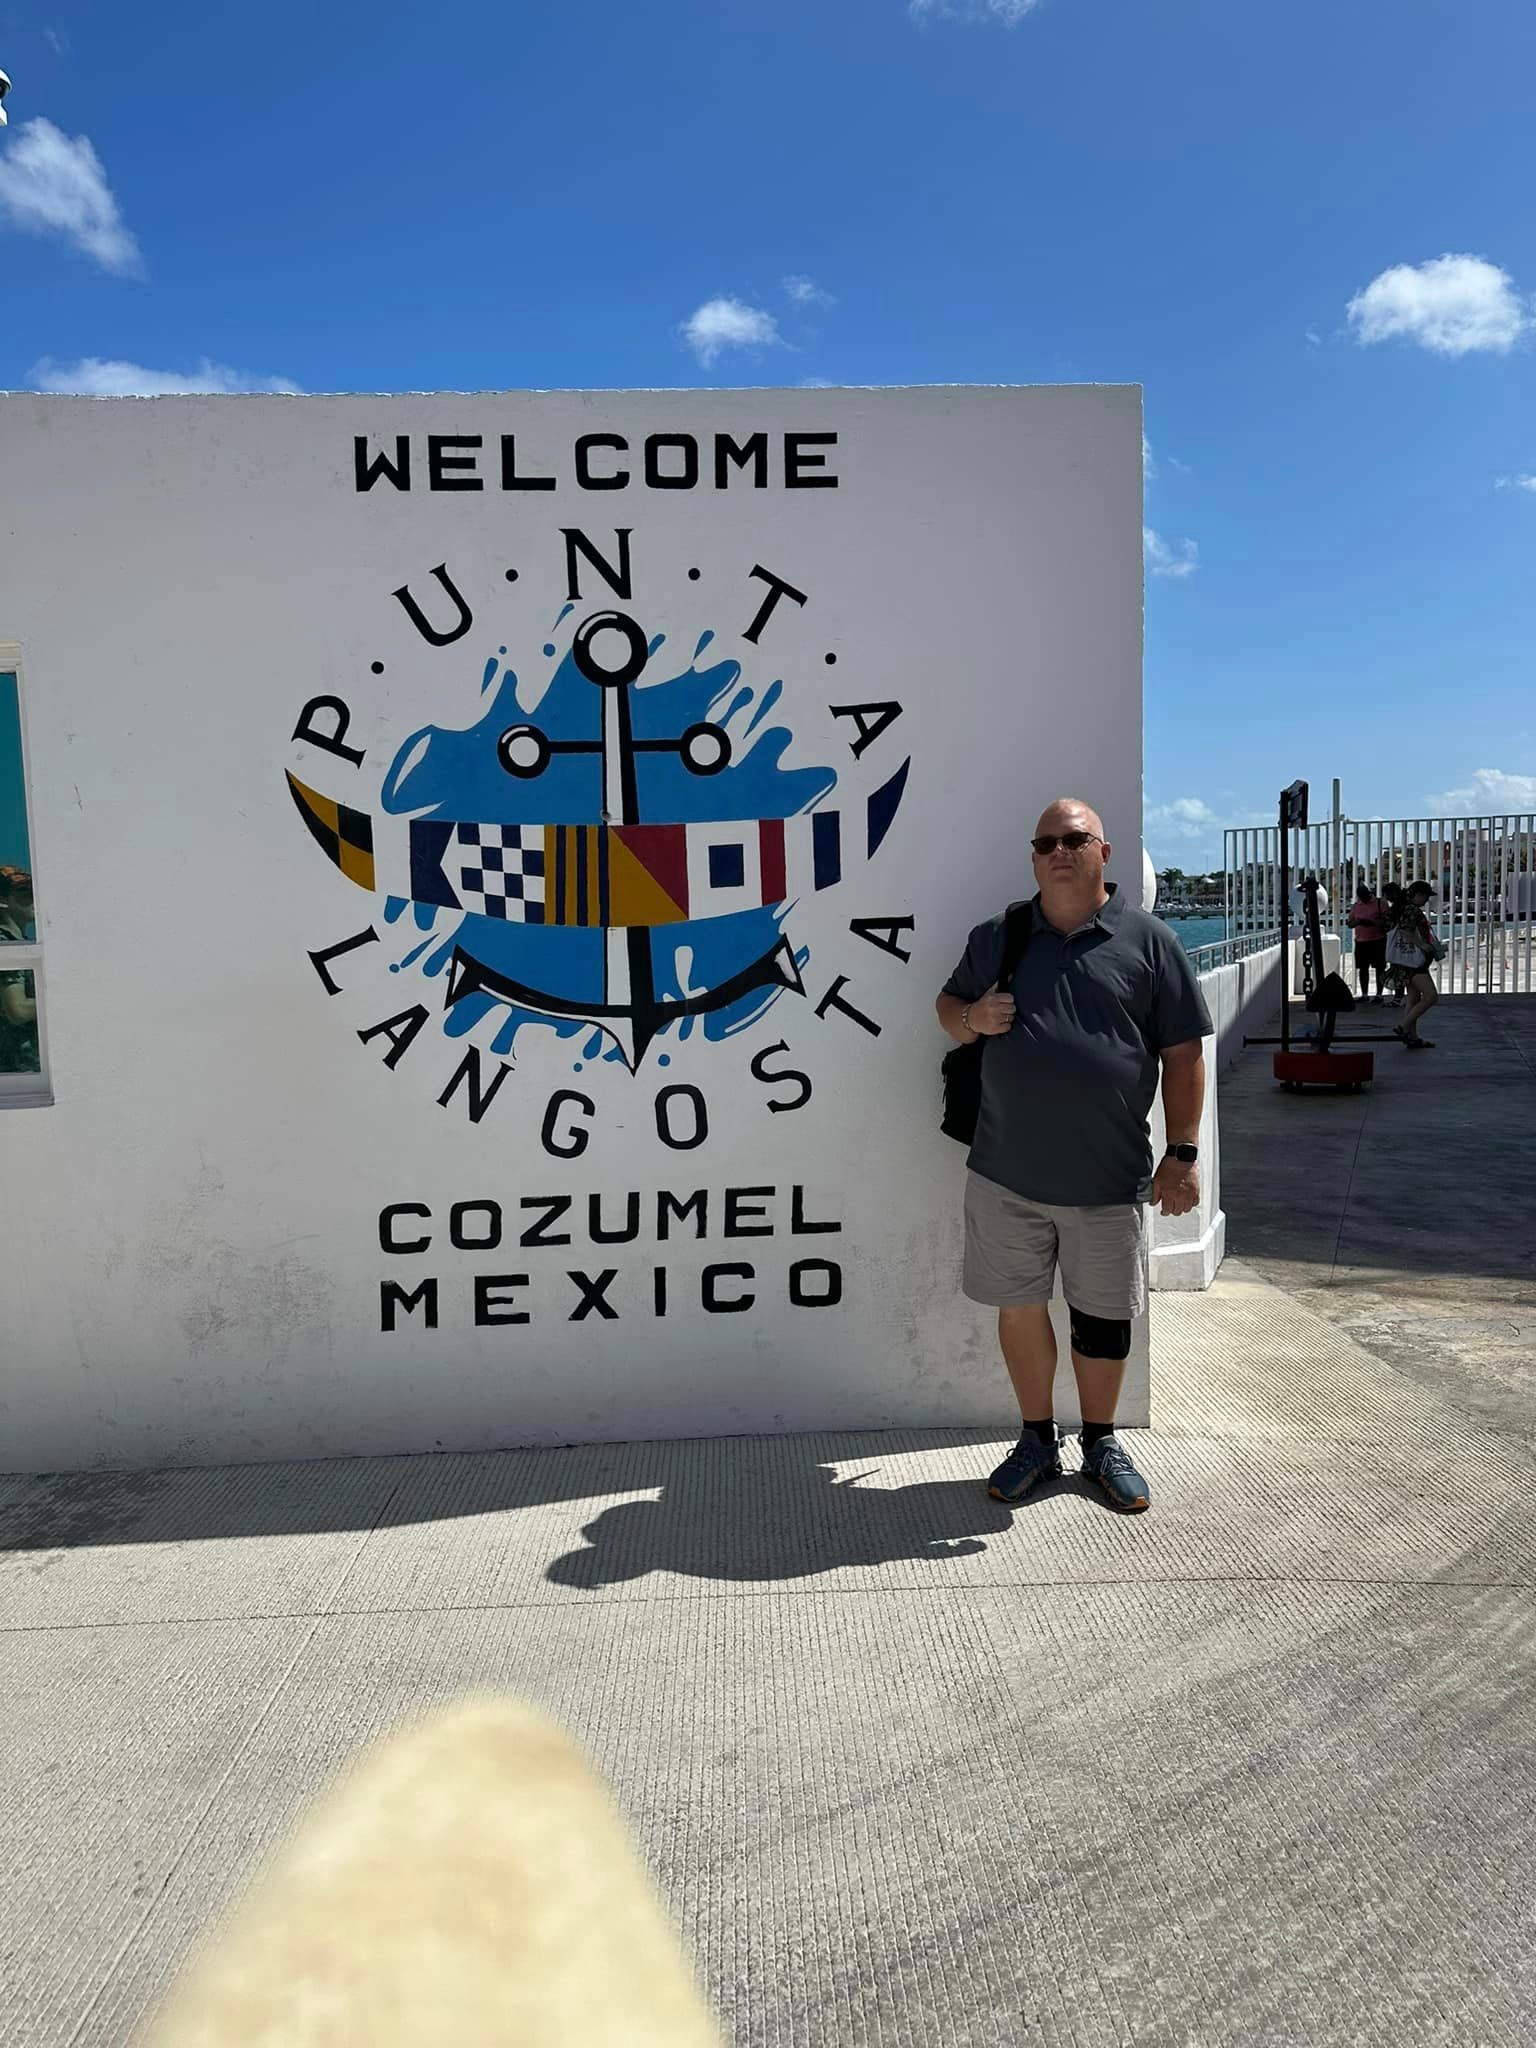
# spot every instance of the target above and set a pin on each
(495, 853)
(604, 863)
(613, 846)
(613, 842)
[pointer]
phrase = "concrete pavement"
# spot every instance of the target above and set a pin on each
(1255, 1767)
(1406, 1215)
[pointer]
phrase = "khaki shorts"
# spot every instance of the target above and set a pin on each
(1013, 1247)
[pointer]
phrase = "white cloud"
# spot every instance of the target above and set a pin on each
(1150, 462)
(1453, 305)
(1189, 833)
(1183, 833)
(57, 41)
(53, 184)
(1514, 483)
(1490, 790)
(727, 323)
(94, 378)
(805, 292)
(1186, 814)
(1169, 558)
(1009, 12)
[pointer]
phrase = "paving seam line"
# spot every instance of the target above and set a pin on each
(1280, 1584)
(1496, 1023)
(1354, 1161)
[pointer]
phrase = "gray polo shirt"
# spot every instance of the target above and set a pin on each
(1066, 1093)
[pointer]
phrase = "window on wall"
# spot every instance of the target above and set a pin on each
(23, 1053)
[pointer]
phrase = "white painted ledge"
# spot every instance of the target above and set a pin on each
(1189, 1266)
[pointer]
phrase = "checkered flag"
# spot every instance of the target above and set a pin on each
(501, 871)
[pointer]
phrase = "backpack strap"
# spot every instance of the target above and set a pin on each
(1017, 925)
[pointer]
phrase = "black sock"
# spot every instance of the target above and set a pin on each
(1045, 1429)
(1092, 1431)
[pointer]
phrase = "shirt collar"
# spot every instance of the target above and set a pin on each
(1105, 918)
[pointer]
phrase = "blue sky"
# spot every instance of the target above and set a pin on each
(1244, 210)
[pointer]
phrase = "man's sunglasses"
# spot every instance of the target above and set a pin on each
(1074, 842)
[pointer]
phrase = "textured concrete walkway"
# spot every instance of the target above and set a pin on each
(1258, 1767)
(1406, 1215)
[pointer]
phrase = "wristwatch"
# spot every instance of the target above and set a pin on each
(1186, 1154)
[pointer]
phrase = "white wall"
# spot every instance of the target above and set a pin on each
(1244, 997)
(1241, 998)
(194, 1256)
(1244, 1000)
(1186, 1251)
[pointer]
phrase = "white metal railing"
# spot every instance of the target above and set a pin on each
(1253, 872)
(1223, 952)
(1483, 872)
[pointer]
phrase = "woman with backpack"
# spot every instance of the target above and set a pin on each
(1411, 946)
(1397, 977)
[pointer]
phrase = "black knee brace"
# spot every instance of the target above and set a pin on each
(1099, 1336)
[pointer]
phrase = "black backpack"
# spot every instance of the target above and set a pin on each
(961, 1068)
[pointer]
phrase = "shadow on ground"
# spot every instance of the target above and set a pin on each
(728, 1508)
(816, 1522)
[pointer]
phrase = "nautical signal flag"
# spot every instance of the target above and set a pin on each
(346, 835)
(725, 869)
(499, 871)
(597, 875)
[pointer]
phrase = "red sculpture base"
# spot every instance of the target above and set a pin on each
(1346, 1071)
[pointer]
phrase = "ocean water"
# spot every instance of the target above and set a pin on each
(1198, 931)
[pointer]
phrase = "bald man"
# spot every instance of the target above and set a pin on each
(1102, 998)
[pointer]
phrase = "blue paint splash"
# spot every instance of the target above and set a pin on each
(441, 771)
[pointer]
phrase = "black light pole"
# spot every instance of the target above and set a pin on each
(1293, 815)
(1329, 994)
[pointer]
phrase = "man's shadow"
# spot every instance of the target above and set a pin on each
(772, 1519)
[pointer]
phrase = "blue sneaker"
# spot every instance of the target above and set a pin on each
(1109, 1466)
(1031, 1460)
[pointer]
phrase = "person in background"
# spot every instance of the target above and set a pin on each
(1412, 930)
(1367, 919)
(1397, 977)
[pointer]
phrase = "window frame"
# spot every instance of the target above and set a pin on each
(27, 1091)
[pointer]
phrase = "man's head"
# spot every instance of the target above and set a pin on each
(1073, 867)
(1420, 893)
